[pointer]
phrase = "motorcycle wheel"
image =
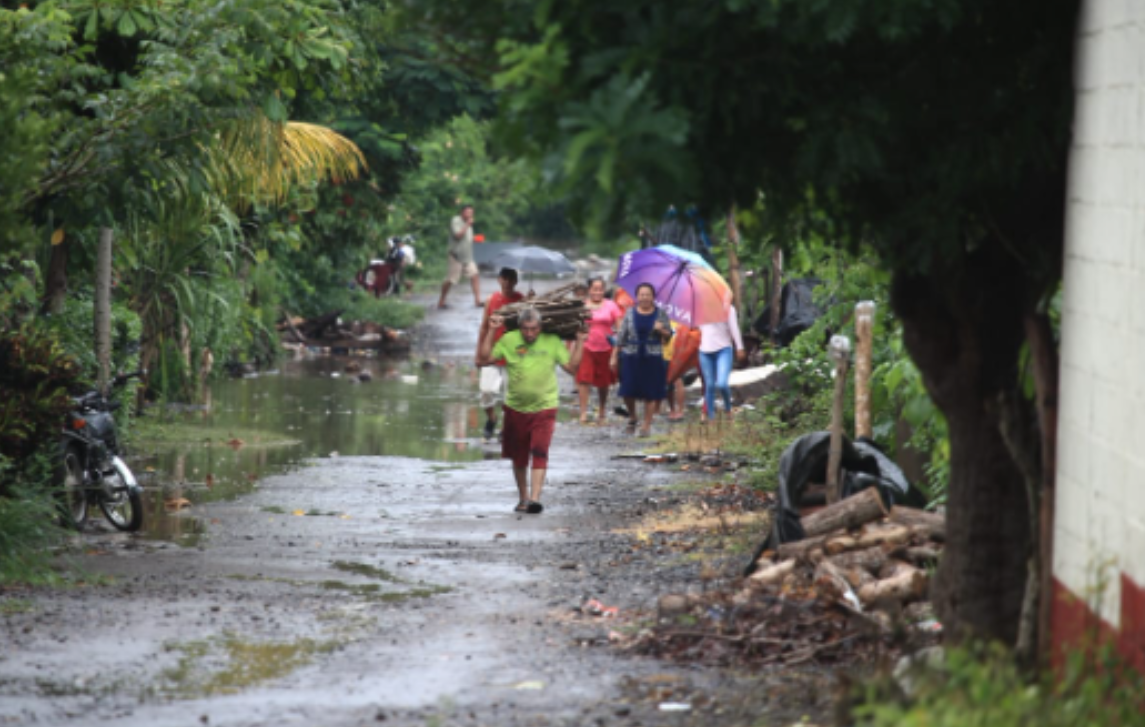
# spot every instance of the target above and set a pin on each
(125, 511)
(73, 498)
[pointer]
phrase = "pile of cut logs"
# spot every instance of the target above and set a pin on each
(329, 331)
(561, 313)
(857, 553)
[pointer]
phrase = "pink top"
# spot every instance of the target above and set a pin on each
(600, 326)
(718, 336)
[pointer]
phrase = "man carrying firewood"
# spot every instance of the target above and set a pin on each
(531, 397)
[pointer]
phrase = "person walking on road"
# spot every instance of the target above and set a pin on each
(594, 368)
(717, 343)
(493, 377)
(531, 397)
(461, 256)
(639, 356)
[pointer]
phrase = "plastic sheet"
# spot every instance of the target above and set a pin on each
(797, 311)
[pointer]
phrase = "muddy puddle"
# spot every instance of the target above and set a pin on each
(314, 407)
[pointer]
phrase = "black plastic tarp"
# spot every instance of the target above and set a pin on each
(797, 311)
(805, 461)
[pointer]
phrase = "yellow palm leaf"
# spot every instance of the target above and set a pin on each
(259, 160)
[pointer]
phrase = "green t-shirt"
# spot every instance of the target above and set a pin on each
(532, 376)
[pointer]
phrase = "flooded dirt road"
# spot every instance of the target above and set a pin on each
(380, 578)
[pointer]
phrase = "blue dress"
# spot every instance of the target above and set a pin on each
(643, 370)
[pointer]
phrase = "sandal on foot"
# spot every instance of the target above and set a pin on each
(631, 427)
(522, 506)
(534, 508)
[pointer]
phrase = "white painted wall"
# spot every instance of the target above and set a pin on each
(1099, 524)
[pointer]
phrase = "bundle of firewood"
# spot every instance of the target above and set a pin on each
(560, 313)
(857, 553)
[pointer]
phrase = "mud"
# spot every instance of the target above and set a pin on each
(388, 590)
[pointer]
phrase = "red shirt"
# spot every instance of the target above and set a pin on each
(498, 300)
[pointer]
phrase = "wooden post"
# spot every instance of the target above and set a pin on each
(103, 307)
(864, 324)
(733, 260)
(776, 289)
(840, 348)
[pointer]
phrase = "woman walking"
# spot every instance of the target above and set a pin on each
(718, 342)
(639, 357)
(594, 368)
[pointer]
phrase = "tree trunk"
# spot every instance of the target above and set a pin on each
(734, 279)
(103, 307)
(56, 280)
(776, 290)
(1044, 355)
(963, 331)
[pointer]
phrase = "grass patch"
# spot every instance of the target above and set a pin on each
(230, 664)
(29, 532)
(13, 606)
(982, 685)
(363, 569)
(275, 509)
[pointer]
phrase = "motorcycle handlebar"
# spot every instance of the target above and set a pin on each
(122, 379)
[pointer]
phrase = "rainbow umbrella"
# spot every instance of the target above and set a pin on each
(687, 288)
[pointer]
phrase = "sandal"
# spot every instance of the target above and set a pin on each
(534, 508)
(522, 506)
(631, 427)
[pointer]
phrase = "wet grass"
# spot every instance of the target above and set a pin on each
(275, 509)
(364, 569)
(229, 664)
(13, 606)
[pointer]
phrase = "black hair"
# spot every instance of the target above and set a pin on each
(597, 279)
(508, 274)
(646, 285)
(464, 206)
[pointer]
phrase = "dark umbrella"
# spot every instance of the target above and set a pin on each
(533, 259)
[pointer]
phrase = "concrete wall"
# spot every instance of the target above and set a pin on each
(1099, 527)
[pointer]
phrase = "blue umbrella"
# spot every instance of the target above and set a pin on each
(533, 259)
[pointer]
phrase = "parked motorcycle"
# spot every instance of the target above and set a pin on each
(93, 472)
(385, 277)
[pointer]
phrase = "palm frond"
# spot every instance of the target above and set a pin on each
(259, 160)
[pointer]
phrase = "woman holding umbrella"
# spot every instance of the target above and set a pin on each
(594, 368)
(639, 357)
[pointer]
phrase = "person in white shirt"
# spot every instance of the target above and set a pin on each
(719, 342)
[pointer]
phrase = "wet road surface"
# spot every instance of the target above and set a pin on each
(357, 590)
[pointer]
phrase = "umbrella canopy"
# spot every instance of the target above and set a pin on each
(533, 259)
(693, 257)
(690, 292)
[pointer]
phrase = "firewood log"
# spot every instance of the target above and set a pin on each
(772, 573)
(868, 559)
(933, 524)
(905, 585)
(846, 514)
(870, 536)
(920, 555)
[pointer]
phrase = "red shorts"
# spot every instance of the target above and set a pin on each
(595, 369)
(524, 435)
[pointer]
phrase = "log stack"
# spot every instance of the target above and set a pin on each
(858, 554)
(561, 313)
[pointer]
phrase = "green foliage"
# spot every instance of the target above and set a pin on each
(23, 152)
(35, 376)
(981, 685)
(386, 311)
(457, 167)
(28, 523)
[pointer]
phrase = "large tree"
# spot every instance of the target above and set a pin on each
(935, 131)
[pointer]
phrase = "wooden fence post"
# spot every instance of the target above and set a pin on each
(840, 349)
(864, 324)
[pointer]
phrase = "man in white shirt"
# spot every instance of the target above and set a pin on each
(461, 256)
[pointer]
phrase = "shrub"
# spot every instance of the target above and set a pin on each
(35, 376)
(981, 686)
